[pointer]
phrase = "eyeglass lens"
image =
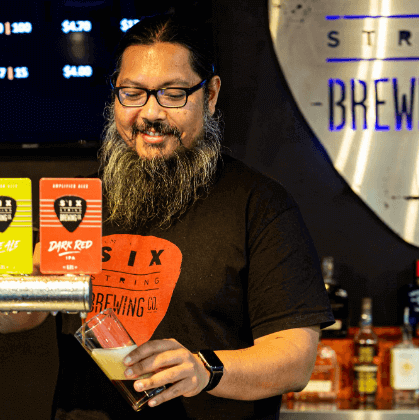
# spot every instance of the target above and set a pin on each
(166, 97)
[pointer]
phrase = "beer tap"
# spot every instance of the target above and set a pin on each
(52, 293)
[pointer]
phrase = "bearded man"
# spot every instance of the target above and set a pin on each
(153, 174)
(207, 262)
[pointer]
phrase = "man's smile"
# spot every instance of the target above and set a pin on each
(154, 133)
(152, 137)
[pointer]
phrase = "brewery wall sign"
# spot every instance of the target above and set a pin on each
(353, 69)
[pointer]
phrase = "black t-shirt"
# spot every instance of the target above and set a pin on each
(239, 265)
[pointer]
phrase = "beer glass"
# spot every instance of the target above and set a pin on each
(107, 342)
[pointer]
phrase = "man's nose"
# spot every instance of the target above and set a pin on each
(152, 110)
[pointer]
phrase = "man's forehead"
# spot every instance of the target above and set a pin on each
(158, 50)
(168, 61)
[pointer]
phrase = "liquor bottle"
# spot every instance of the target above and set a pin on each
(339, 302)
(404, 367)
(366, 348)
(413, 301)
(324, 381)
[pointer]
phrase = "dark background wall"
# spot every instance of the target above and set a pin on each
(264, 128)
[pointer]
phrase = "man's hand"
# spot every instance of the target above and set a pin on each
(21, 321)
(173, 364)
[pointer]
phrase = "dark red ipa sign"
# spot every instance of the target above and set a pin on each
(71, 225)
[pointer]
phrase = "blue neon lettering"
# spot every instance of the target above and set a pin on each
(332, 126)
(378, 102)
(404, 108)
(359, 103)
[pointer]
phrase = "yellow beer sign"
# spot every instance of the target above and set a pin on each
(15, 226)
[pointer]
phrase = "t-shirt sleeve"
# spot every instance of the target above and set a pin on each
(286, 289)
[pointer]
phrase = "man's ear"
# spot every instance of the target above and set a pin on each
(214, 86)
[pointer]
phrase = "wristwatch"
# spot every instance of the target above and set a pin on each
(215, 367)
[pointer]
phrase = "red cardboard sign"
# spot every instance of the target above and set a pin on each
(71, 225)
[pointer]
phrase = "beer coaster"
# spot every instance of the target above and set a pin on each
(16, 240)
(70, 225)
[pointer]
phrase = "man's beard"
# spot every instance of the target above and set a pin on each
(156, 191)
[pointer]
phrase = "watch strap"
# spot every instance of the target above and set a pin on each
(214, 366)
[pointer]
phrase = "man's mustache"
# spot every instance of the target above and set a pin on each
(165, 129)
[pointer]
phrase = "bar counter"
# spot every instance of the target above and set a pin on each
(344, 410)
(350, 415)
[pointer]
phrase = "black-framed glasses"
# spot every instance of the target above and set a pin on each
(171, 97)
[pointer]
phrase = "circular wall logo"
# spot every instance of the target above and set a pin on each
(352, 67)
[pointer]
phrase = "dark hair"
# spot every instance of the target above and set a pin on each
(174, 29)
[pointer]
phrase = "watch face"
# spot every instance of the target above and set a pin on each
(211, 359)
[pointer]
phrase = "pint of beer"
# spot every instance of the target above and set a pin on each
(107, 342)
